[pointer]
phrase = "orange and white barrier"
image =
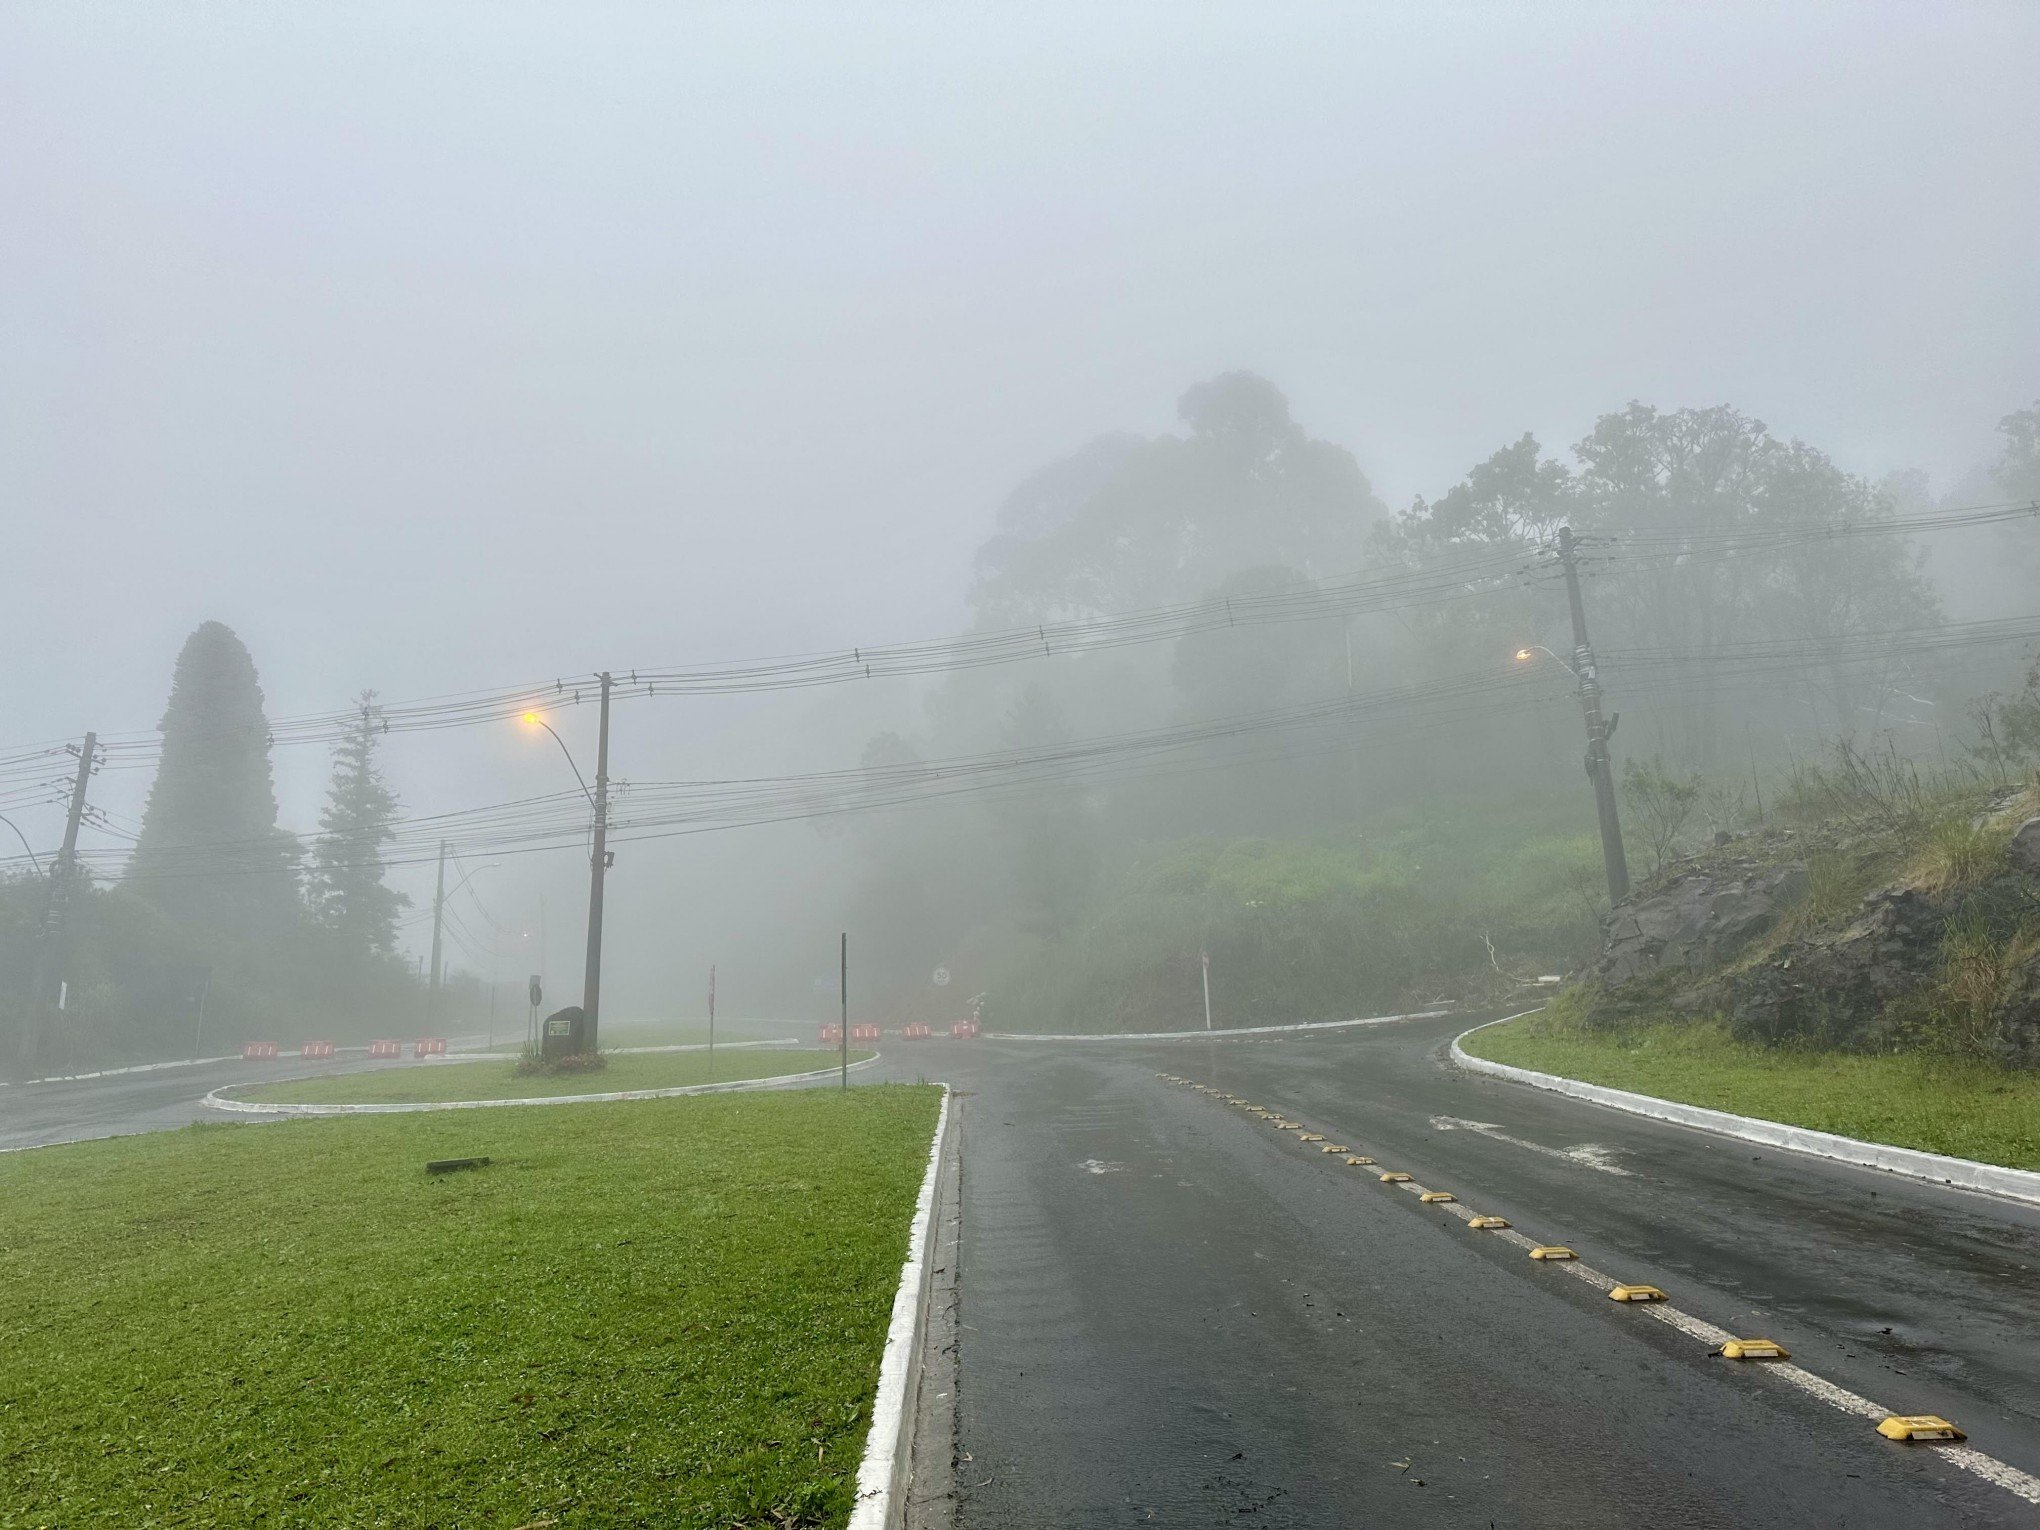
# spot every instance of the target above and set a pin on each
(258, 1051)
(832, 1033)
(916, 1032)
(385, 1049)
(430, 1046)
(316, 1049)
(963, 1030)
(864, 1033)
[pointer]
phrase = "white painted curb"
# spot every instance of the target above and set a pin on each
(1963, 1173)
(888, 1450)
(219, 1101)
(1252, 1030)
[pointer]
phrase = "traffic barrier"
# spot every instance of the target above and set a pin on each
(963, 1030)
(430, 1046)
(385, 1049)
(864, 1033)
(916, 1032)
(258, 1051)
(316, 1049)
(832, 1034)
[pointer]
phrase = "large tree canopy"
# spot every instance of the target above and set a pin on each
(1169, 519)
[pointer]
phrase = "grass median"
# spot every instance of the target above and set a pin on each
(652, 1312)
(1939, 1104)
(498, 1078)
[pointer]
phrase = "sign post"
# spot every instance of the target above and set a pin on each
(534, 993)
(845, 1038)
(1204, 961)
(711, 1022)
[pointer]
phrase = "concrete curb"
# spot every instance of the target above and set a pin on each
(888, 1450)
(2021, 1185)
(1251, 1030)
(219, 1100)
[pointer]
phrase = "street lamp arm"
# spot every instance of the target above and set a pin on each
(1527, 650)
(24, 844)
(570, 758)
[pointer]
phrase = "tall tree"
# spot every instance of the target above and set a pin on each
(210, 853)
(345, 890)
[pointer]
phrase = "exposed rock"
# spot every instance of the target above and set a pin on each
(2025, 847)
(1837, 987)
(1697, 918)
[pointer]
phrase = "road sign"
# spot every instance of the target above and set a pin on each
(941, 977)
(537, 991)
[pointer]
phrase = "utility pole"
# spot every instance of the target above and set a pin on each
(591, 983)
(711, 1022)
(48, 985)
(438, 916)
(844, 1039)
(1599, 768)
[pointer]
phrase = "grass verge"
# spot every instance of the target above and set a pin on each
(1938, 1104)
(661, 1312)
(499, 1079)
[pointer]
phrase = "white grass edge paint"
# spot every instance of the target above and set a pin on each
(888, 1449)
(219, 1100)
(2021, 1185)
(1252, 1030)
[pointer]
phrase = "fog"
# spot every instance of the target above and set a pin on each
(450, 349)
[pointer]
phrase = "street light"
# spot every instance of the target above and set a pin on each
(598, 861)
(1523, 655)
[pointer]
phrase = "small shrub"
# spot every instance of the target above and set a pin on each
(1979, 970)
(1660, 804)
(531, 1065)
(1958, 853)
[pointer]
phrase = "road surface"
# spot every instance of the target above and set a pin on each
(1172, 1314)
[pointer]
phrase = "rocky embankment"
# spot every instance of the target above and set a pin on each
(1735, 932)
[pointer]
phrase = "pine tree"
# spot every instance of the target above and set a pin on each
(346, 890)
(210, 853)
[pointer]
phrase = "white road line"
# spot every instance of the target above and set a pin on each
(1588, 1155)
(1999, 1473)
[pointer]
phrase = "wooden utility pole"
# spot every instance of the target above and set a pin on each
(1599, 767)
(47, 990)
(438, 917)
(591, 983)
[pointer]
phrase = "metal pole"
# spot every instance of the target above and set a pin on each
(591, 982)
(198, 1030)
(1204, 961)
(438, 914)
(711, 1023)
(844, 1039)
(1599, 767)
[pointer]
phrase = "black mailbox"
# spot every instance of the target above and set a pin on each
(562, 1033)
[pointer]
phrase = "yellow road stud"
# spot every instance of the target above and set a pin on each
(1481, 1224)
(1357, 1161)
(1919, 1426)
(1754, 1349)
(1312, 1137)
(1331, 1147)
(1289, 1126)
(1636, 1294)
(1435, 1196)
(1552, 1251)
(1393, 1176)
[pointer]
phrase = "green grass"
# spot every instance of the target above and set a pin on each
(1939, 1104)
(672, 1033)
(500, 1080)
(666, 1312)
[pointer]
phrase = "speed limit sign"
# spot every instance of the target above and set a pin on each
(941, 977)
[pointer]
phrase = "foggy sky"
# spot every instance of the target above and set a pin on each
(440, 347)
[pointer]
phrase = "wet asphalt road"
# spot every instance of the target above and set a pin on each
(1172, 1314)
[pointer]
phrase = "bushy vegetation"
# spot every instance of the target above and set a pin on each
(1410, 907)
